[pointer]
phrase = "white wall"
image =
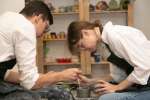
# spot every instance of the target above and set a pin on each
(11, 5)
(142, 16)
(141, 12)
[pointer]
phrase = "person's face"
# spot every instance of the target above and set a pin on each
(41, 27)
(88, 41)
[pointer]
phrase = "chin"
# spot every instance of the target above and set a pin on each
(92, 49)
(39, 35)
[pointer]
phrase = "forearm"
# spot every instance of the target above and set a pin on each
(124, 85)
(12, 76)
(43, 80)
(48, 79)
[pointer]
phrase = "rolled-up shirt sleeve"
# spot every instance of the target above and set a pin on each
(25, 51)
(139, 76)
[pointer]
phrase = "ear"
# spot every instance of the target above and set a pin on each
(40, 16)
(37, 18)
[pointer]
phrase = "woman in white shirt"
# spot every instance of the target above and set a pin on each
(129, 50)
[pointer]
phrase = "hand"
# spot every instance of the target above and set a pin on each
(86, 81)
(83, 79)
(103, 87)
(70, 74)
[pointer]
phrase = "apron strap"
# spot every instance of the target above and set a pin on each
(119, 62)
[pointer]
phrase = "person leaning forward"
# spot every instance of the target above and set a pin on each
(129, 51)
(18, 32)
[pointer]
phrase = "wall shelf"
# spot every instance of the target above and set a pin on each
(62, 20)
(45, 40)
(108, 11)
(65, 13)
(59, 64)
(100, 63)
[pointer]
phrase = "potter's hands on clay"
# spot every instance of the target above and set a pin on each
(70, 74)
(103, 87)
(85, 80)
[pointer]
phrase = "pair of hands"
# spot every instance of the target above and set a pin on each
(99, 86)
(71, 74)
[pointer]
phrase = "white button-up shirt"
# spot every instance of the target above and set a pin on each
(18, 40)
(130, 44)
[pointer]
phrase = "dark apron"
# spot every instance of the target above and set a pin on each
(124, 65)
(11, 91)
(4, 66)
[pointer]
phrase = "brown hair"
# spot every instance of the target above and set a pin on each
(74, 32)
(37, 8)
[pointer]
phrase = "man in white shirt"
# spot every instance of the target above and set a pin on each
(129, 50)
(18, 34)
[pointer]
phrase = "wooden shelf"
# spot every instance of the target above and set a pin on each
(66, 13)
(93, 63)
(83, 15)
(54, 40)
(54, 64)
(100, 63)
(109, 11)
(58, 64)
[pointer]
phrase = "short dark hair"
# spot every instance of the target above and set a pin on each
(74, 32)
(37, 8)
